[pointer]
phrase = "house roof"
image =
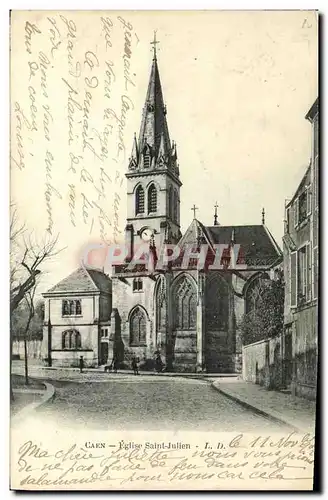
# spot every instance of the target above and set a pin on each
(313, 110)
(83, 280)
(301, 186)
(257, 245)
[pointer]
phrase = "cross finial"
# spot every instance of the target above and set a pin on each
(194, 208)
(154, 43)
(263, 216)
(216, 206)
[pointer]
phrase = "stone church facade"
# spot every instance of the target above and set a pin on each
(191, 315)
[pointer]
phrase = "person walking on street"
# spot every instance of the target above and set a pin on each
(81, 364)
(135, 362)
(115, 364)
(158, 362)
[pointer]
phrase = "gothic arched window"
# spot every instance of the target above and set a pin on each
(175, 205)
(185, 304)
(217, 303)
(152, 198)
(140, 200)
(138, 327)
(71, 339)
(253, 296)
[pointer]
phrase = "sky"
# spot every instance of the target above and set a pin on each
(237, 85)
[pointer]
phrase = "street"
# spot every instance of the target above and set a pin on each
(124, 401)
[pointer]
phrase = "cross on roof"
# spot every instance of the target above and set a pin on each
(216, 206)
(153, 43)
(194, 208)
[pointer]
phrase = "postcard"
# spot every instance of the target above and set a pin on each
(164, 250)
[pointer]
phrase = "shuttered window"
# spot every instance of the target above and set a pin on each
(315, 273)
(293, 279)
(308, 273)
(309, 199)
(296, 212)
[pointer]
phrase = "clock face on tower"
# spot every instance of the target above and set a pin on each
(146, 234)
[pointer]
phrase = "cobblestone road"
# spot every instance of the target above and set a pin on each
(122, 401)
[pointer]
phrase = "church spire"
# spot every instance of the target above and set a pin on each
(154, 140)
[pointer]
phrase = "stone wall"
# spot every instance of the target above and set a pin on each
(72, 358)
(305, 353)
(262, 363)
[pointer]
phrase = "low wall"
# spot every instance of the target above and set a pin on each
(262, 363)
(34, 349)
(72, 358)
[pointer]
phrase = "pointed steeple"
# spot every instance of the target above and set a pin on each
(154, 134)
(134, 158)
(162, 147)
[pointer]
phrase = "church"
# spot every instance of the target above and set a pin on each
(191, 315)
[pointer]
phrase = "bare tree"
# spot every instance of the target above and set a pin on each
(27, 257)
(29, 298)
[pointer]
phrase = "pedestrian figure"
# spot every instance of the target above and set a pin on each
(135, 362)
(115, 364)
(81, 364)
(158, 363)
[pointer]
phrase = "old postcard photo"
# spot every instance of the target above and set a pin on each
(164, 217)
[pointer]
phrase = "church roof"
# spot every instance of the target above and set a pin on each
(83, 280)
(257, 245)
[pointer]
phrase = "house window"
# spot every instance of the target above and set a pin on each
(304, 282)
(71, 339)
(137, 285)
(152, 199)
(295, 207)
(301, 274)
(293, 279)
(71, 308)
(315, 273)
(138, 327)
(309, 200)
(302, 207)
(287, 220)
(140, 200)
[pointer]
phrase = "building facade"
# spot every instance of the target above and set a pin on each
(77, 319)
(191, 314)
(301, 259)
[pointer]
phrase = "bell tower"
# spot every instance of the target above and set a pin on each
(153, 179)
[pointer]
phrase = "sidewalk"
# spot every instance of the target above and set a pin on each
(38, 370)
(298, 413)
